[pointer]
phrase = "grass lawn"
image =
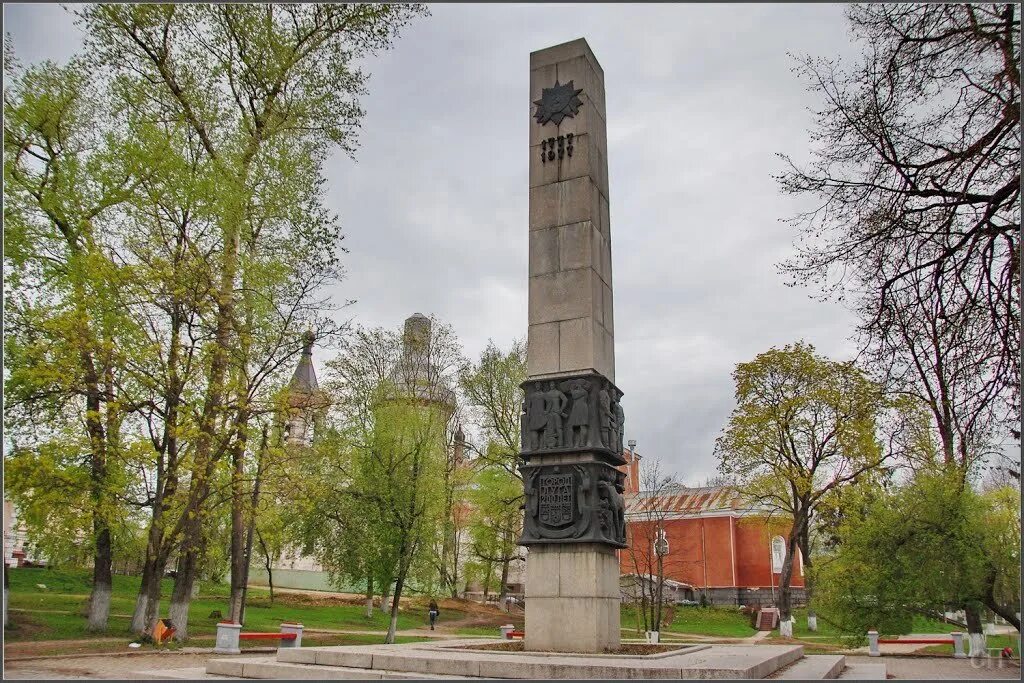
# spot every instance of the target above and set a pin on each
(16, 649)
(710, 621)
(829, 634)
(56, 611)
(1000, 641)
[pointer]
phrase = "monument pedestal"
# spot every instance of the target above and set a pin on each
(572, 598)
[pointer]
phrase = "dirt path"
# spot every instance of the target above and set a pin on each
(106, 667)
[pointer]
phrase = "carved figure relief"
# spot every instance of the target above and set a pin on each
(576, 413)
(554, 408)
(620, 427)
(579, 418)
(536, 420)
(606, 417)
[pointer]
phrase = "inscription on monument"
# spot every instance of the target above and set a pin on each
(557, 499)
(548, 147)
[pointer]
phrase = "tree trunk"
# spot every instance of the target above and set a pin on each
(270, 571)
(254, 503)
(393, 624)
(139, 622)
(102, 579)
(238, 529)
(155, 591)
(785, 590)
(488, 570)
(385, 594)
(369, 596)
(975, 632)
(503, 593)
(805, 553)
(181, 595)
(658, 595)
(1007, 612)
(213, 405)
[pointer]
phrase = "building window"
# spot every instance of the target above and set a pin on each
(778, 553)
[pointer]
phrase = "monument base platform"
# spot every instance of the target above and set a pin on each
(451, 659)
(572, 598)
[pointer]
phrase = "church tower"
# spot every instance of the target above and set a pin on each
(304, 398)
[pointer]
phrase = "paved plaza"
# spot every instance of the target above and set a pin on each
(193, 665)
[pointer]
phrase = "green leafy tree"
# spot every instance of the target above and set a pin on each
(494, 400)
(393, 411)
(248, 81)
(928, 545)
(802, 427)
(66, 171)
(496, 520)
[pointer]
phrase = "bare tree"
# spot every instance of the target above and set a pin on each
(917, 169)
(646, 531)
(939, 349)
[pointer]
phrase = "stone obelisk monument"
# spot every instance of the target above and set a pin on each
(572, 422)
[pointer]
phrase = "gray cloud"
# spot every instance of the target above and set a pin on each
(699, 98)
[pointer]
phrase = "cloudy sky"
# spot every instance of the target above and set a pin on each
(700, 98)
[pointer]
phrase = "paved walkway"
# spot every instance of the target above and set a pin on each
(946, 668)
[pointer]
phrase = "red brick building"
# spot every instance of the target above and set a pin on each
(718, 544)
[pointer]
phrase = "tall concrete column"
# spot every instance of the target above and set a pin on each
(572, 422)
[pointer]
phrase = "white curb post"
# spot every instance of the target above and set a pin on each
(958, 645)
(873, 644)
(227, 638)
(291, 627)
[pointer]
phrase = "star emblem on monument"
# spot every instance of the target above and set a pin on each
(558, 102)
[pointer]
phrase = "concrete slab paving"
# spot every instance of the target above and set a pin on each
(813, 667)
(195, 673)
(442, 660)
(864, 671)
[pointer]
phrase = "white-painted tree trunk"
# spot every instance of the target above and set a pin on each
(977, 643)
(139, 616)
(812, 622)
(178, 614)
(369, 608)
(786, 628)
(99, 609)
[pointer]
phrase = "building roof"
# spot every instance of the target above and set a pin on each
(304, 377)
(685, 500)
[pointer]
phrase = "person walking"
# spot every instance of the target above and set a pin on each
(434, 613)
